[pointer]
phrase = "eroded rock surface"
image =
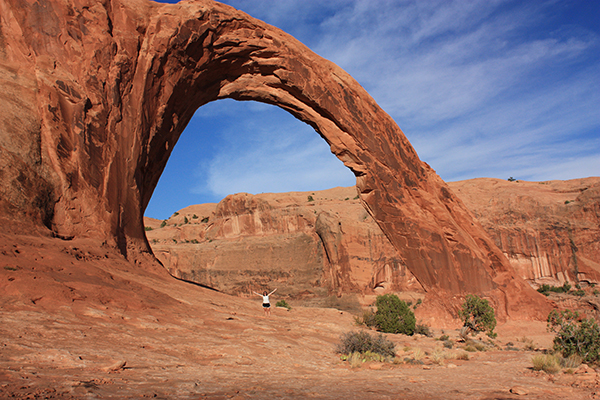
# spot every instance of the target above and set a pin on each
(96, 94)
(550, 231)
(307, 244)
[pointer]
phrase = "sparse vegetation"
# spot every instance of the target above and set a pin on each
(204, 220)
(367, 319)
(424, 330)
(362, 342)
(478, 316)
(511, 179)
(194, 216)
(394, 315)
(175, 214)
(310, 198)
(163, 224)
(284, 304)
(185, 220)
(549, 363)
(575, 335)
(9, 268)
(148, 228)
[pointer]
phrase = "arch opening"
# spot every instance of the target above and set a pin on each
(233, 147)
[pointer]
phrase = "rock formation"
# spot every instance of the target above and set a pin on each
(550, 231)
(96, 93)
(327, 243)
(306, 246)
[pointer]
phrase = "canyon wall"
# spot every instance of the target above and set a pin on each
(322, 243)
(550, 231)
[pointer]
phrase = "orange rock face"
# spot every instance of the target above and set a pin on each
(96, 94)
(317, 246)
(550, 231)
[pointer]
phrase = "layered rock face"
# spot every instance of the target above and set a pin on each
(306, 244)
(550, 231)
(96, 93)
(318, 243)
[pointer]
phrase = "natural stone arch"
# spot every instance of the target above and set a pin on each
(115, 84)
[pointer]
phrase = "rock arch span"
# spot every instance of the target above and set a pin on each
(97, 94)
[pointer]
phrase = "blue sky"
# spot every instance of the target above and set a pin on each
(489, 88)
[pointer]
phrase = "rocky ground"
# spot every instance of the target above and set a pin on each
(78, 322)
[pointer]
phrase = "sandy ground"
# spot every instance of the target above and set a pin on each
(78, 321)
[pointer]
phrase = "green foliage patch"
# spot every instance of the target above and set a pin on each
(575, 335)
(478, 316)
(394, 315)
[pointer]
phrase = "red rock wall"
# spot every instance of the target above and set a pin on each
(114, 83)
(550, 231)
(329, 246)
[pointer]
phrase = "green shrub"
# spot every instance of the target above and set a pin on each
(546, 289)
(579, 292)
(164, 223)
(310, 198)
(148, 228)
(186, 220)
(477, 315)
(362, 342)
(284, 304)
(204, 220)
(394, 315)
(575, 336)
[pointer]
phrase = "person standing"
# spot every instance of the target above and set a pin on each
(266, 302)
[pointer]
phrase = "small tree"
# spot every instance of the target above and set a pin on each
(477, 315)
(394, 315)
(575, 336)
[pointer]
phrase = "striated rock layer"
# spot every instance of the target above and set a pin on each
(96, 93)
(305, 243)
(550, 231)
(317, 243)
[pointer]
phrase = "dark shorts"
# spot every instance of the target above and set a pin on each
(266, 305)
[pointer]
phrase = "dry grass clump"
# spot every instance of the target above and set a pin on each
(362, 342)
(549, 363)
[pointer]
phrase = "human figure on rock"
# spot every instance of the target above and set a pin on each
(266, 302)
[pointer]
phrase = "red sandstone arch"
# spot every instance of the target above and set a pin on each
(106, 88)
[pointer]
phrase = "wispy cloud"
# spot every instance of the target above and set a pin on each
(480, 87)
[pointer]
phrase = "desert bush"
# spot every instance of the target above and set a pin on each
(394, 315)
(444, 337)
(546, 289)
(163, 224)
(477, 315)
(367, 319)
(424, 330)
(284, 304)
(573, 361)
(310, 198)
(448, 344)
(463, 356)
(575, 336)
(363, 342)
(546, 362)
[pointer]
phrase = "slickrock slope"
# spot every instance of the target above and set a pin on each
(96, 93)
(550, 231)
(305, 243)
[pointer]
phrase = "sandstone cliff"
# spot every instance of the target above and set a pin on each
(306, 243)
(324, 242)
(550, 231)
